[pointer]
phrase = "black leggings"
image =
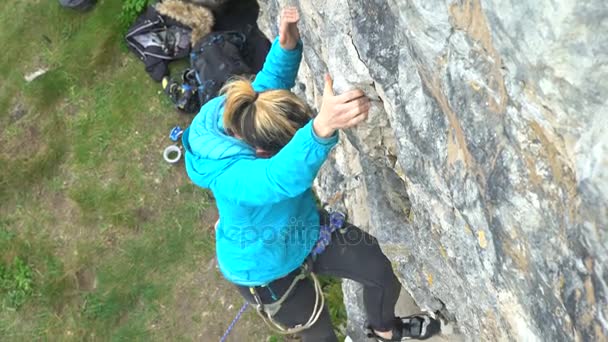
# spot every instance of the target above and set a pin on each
(354, 255)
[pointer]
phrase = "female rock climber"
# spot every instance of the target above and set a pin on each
(258, 148)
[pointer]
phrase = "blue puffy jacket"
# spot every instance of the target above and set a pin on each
(268, 218)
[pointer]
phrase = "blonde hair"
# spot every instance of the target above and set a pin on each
(266, 120)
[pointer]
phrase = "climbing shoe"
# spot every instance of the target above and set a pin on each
(183, 92)
(415, 327)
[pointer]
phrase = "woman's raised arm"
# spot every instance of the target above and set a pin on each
(283, 60)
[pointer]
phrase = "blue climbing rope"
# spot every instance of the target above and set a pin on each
(336, 221)
(233, 323)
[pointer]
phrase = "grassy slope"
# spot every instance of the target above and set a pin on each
(118, 242)
(115, 238)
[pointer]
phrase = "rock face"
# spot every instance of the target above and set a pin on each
(483, 167)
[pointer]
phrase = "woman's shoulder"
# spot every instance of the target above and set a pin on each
(209, 116)
(207, 136)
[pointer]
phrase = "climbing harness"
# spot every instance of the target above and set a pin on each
(267, 311)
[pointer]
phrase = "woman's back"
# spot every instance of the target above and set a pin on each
(268, 217)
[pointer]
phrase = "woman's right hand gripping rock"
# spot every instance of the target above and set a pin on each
(340, 111)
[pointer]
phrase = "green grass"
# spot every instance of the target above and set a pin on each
(100, 239)
(96, 229)
(334, 300)
(15, 283)
(130, 10)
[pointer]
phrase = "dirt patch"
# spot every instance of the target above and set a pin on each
(143, 214)
(205, 304)
(208, 219)
(18, 111)
(24, 143)
(86, 280)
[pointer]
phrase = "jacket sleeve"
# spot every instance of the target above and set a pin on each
(258, 182)
(280, 68)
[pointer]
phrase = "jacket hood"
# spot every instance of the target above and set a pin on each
(209, 150)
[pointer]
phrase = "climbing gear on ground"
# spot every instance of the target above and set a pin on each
(172, 149)
(183, 92)
(242, 16)
(216, 58)
(335, 222)
(213, 60)
(415, 327)
(173, 153)
(176, 132)
(166, 32)
(157, 40)
(174, 29)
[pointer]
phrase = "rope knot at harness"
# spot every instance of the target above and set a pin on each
(336, 222)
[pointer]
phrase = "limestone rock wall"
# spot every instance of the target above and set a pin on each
(483, 167)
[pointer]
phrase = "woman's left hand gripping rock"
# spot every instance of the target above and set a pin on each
(289, 35)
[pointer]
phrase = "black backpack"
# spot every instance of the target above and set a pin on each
(216, 58)
(213, 60)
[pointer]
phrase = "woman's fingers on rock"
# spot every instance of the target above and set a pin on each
(355, 106)
(351, 113)
(350, 95)
(357, 119)
(358, 111)
(362, 101)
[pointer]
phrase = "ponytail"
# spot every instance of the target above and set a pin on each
(266, 120)
(239, 97)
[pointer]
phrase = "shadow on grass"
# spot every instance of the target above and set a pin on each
(18, 172)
